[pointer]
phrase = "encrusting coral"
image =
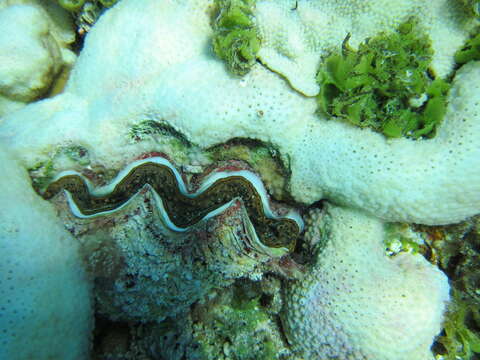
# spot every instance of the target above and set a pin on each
(236, 325)
(44, 288)
(358, 303)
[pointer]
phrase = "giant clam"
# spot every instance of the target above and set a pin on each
(155, 247)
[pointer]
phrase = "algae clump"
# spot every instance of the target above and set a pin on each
(470, 51)
(76, 5)
(108, 3)
(239, 323)
(459, 338)
(235, 39)
(71, 5)
(456, 249)
(385, 85)
(471, 7)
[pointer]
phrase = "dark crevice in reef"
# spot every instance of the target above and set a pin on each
(182, 210)
(110, 338)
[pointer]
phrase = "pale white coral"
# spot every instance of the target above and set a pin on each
(297, 34)
(34, 37)
(357, 303)
(45, 307)
(430, 181)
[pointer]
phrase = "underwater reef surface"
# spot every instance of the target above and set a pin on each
(239, 179)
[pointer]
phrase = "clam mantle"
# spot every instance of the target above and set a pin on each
(179, 208)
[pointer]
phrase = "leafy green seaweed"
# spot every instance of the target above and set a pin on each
(235, 39)
(471, 7)
(384, 85)
(71, 5)
(456, 249)
(470, 51)
(459, 340)
(108, 3)
(76, 5)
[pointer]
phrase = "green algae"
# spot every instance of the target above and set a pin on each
(461, 338)
(236, 40)
(456, 249)
(77, 5)
(471, 7)
(470, 51)
(400, 238)
(108, 3)
(384, 85)
(71, 5)
(43, 172)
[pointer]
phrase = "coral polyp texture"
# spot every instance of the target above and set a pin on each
(219, 88)
(42, 277)
(357, 303)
